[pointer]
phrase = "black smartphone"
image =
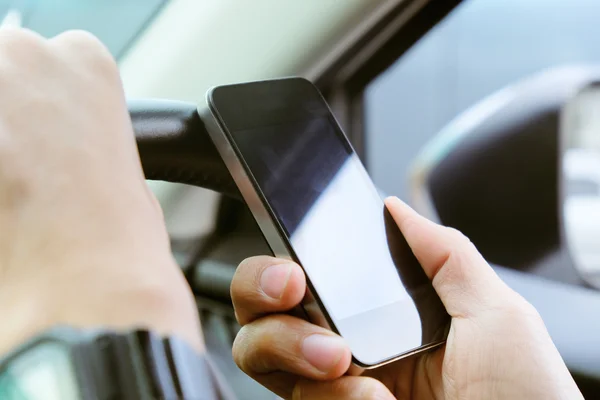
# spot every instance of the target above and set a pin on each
(316, 205)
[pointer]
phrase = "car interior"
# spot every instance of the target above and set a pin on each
(480, 114)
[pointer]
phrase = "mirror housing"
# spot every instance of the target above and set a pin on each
(496, 172)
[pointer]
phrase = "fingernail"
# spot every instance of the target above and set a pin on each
(324, 352)
(274, 280)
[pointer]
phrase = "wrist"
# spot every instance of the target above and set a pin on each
(23, 314)
(150, 296)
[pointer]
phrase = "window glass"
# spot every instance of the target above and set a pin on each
(481, 47)
(115, 22)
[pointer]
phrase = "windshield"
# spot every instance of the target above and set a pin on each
(115, 22)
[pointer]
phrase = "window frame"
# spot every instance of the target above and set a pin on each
(344, 79)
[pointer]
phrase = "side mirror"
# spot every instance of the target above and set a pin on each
(496, 173)
(580, 181)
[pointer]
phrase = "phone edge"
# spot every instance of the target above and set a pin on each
(266, 222)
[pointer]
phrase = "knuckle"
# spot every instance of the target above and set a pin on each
(23, 46)
(245, 307)
(246, 265)
(372, 389)
(521, 310)
(254, 264)
(77, 37)
(529, 310)
(463, 247)
(235, 287)
(246, 262)
(239, 349)
(254, 345)
(247, 270)
(22, 37)
(246, 280)
(458, 236)
(84, 44)
(241, 293)
(514, 310)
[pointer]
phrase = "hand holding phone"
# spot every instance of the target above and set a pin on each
(317, 206)
(498, 347)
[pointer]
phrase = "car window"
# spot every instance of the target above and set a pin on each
(115, 22)
(482, 46)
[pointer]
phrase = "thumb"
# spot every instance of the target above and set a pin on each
(465, 282)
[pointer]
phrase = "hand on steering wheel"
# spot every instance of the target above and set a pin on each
(82, 239)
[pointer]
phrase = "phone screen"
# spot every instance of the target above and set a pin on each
(335, 220)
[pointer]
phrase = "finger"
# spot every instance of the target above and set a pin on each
(285, 343)
(263, 285)
(90, 59)
(347, 388)
(465, 282)
(23, 48)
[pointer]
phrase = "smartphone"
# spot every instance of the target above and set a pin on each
(316, 205)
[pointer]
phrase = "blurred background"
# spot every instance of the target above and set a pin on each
(483, 114)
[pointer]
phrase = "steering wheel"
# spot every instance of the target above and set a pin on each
(174, 145)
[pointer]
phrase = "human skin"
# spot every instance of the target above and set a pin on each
(82, 239)
(497, 348)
